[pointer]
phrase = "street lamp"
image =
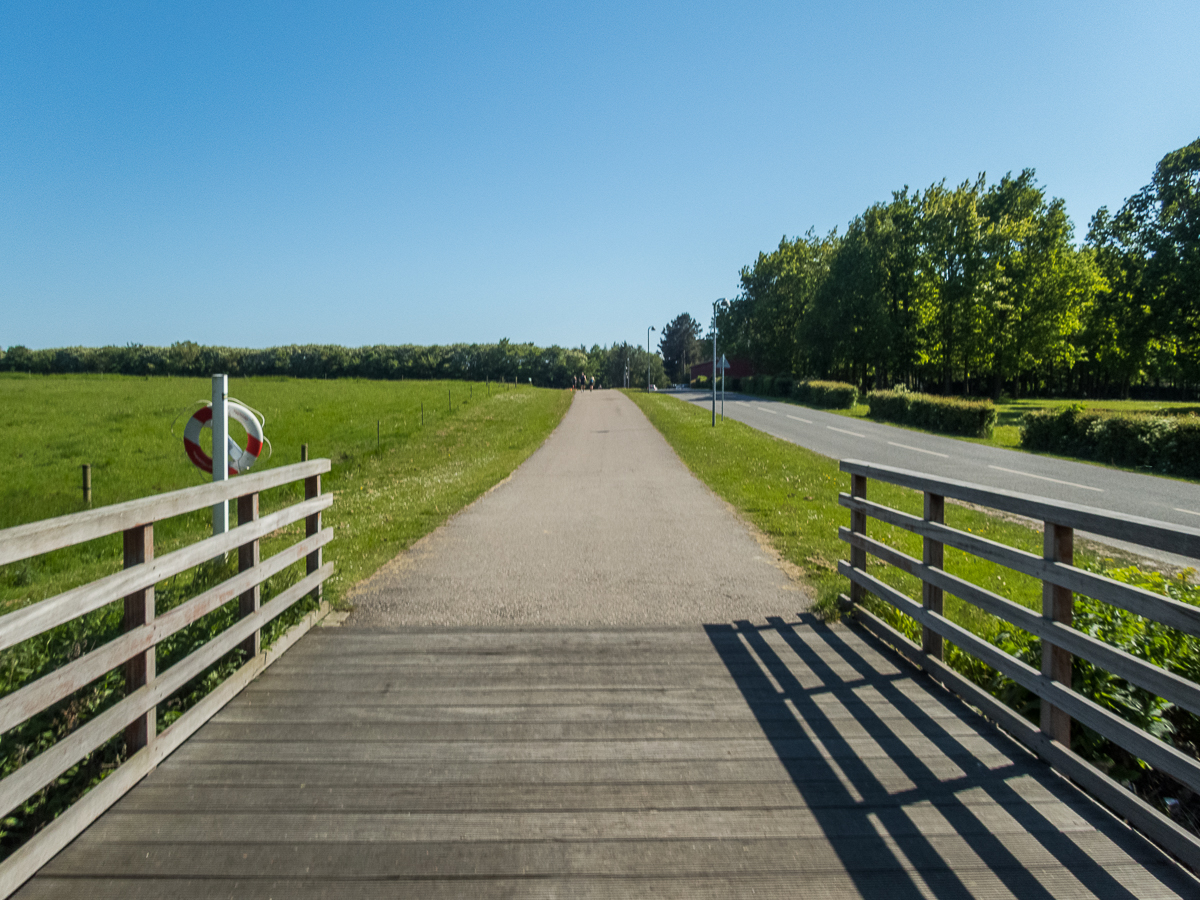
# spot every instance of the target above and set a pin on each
(648, 330)
(718, 304)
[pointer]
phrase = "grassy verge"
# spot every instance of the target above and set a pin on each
(389, 491)
(790, 494)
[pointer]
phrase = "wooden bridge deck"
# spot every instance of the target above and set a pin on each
(774, 760)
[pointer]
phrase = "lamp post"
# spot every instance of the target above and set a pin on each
(717, 304)
(648, 330)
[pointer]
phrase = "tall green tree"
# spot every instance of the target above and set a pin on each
(680, 346)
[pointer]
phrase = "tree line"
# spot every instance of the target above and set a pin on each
(981, 288)
(503, 361)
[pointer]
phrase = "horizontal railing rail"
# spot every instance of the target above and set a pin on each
(1060, 641)
(134, 649)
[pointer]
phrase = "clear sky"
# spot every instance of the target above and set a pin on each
(257, 173)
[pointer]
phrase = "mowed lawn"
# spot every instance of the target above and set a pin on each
(387, 495)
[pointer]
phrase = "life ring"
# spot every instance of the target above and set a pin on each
(239, 460)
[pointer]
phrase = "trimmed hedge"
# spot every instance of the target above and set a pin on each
(949, 415)
(1168, 444)
(826, 394)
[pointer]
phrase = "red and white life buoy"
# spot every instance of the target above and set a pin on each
(239, 460)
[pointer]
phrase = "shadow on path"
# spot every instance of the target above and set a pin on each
(896, 792)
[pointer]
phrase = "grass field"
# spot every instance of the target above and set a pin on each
(386, 497)
(389, 491)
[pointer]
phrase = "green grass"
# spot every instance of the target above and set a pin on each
(386, 498)
(387, 495)
(791, 494)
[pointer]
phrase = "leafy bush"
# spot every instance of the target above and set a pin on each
(782, 385)
(702, 383)
(1165, 443)
(949, 415)
(732, 384)
(826, 394)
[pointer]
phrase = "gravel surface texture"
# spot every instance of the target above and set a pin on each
(602, 526)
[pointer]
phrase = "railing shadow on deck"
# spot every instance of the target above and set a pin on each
(860, 828)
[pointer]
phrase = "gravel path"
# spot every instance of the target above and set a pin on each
(603, 526)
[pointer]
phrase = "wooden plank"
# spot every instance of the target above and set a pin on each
(139, 613)
(858, 524)
(1158, 754)
(22, 624)
(312, 525)
(46, 844)
(750, 881)
(24, 541)
(932, 555)
(1165, 536)
(1137, 600)
(1058, 606)
(1140, 814)
(248, 558)
(1168, 685)
(35, 774)
(36, 696)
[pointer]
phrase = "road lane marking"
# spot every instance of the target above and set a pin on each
(771, 411)
(844, 431)
(1044, 478)
(798, 419)
(1188, 511)
(919, 450)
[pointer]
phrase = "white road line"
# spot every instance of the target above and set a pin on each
(844, 431)
(1044, 478)
(798, 419)
(919, 450)
(771, 411)
(1188, 511)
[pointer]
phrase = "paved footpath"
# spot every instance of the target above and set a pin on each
(594, 683)
(601, 526)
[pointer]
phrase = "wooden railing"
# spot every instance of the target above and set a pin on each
(1061, 580)
(134, 649)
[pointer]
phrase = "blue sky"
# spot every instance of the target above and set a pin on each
(266, 173)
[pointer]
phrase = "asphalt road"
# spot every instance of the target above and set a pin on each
(602, 526)
(839, 437)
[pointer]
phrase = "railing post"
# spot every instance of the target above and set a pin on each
(312, 525)
(932, 554)
(139, 610)
(1058, 604)
(858, 525)
(248, 557)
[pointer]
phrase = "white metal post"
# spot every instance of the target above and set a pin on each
(220, 447)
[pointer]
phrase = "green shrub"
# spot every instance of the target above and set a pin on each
(825, 394)
(782, 385)
(949, 415)
(702, 383)
(1164, 443)
(732, 384)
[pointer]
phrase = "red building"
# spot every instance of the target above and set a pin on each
(738, 368)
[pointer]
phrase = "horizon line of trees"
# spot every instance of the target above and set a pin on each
(552, 366)
(980, 289)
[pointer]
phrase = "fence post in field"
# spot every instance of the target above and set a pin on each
(312, 525)
(87, 483)
(139, 610)
(858, 525)
(304, 453)
(932, 554)
(1058, 604)
(248, 558)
